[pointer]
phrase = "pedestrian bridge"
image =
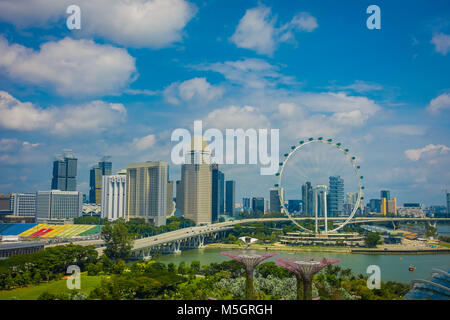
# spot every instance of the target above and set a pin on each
(196, 237)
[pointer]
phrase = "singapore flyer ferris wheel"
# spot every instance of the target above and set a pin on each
(329, 180)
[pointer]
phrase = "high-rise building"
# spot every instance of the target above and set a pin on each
(307, 199)
(217, 192)
(383, 206)
(335, 197)
(147, 191)
(114, 196)
(448, 204)
(221, 192)
(23, 204)
(321, 204)
(294, 206)
(350, 200)
(103, 168)
(274, 203)
(391, 207)
(385, 194)
(258, 205)
(246, 204)
(230, 186)
(375, 205)
(170, 205)
(65, 173)
(58, 205)
(196, 180)
(179, 196)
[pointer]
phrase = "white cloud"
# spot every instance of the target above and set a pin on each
(431, 149)
(14, 151)
(359, 86)
(8, 144)
(235, 117)
(196, 90)
(439, 103)
(347, 110)
(406, 129)
(137, 23)
(71, 67)
(304, 22)
(95, 116)
(144, 143)
(289, 111)
(144, 92)
(24, 116)
(441, 43)
(257, 31)
(249, 72)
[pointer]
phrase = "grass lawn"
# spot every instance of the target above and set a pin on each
(444, 244)
(88, 283)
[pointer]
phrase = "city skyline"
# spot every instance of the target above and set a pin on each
(371, 89)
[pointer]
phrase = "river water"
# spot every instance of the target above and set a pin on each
(393, 267)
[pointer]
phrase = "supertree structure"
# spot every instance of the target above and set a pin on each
(304, 270)
(249, 261)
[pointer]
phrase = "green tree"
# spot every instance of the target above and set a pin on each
(195, 267)
(119, 241)
(372, 239)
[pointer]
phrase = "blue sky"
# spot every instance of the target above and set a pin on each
(139, 69)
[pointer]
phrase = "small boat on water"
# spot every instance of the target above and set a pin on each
(412, 268)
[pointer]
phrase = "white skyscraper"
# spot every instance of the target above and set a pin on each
(196, 179)
(114, 196)
(147, 191)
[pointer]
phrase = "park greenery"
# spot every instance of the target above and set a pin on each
(46, 265)
(154, 280)
(372, 239)
(118, 240)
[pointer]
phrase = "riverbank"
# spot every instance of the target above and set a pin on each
(278, 247)
(402, 250)
(386, 249)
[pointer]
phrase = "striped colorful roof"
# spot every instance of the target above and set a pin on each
(43, 230)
